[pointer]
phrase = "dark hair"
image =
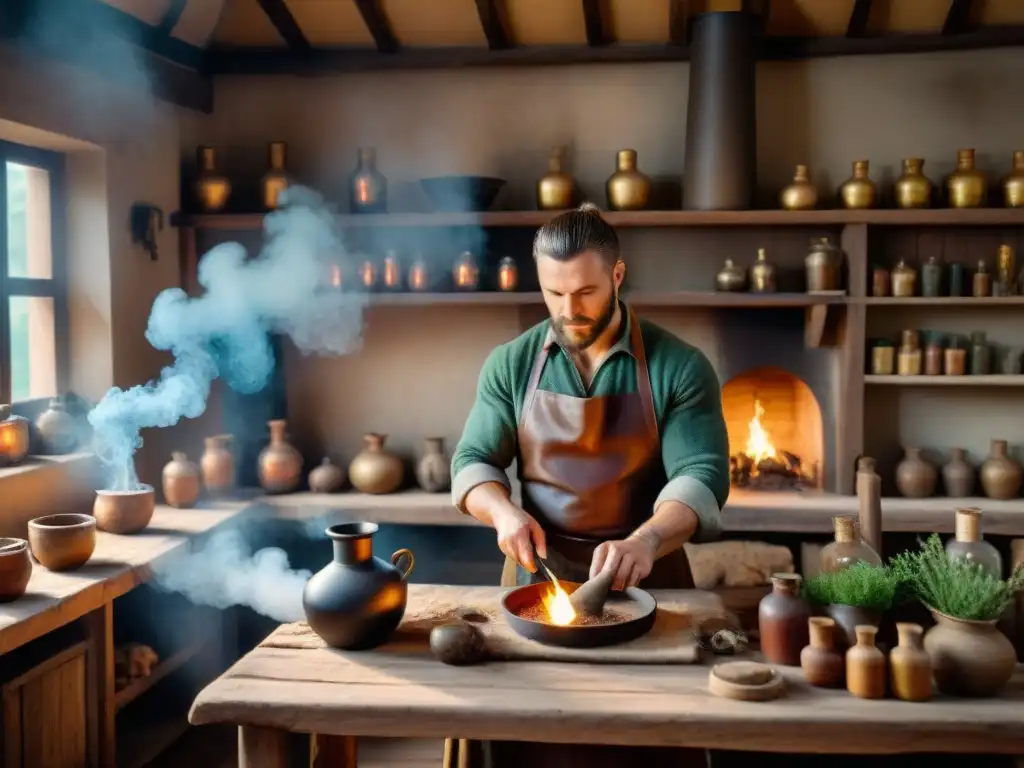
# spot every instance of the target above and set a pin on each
(574, 232)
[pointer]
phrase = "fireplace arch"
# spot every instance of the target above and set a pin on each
(776, 435)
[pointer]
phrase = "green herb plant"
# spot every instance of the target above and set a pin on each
(954, 586)
(861, 585)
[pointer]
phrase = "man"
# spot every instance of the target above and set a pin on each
(616, 424)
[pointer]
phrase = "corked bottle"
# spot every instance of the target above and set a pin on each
(910, 667)
(822, 664)
(782, 620)
(865, 666)
(967, 543)
(847, 548)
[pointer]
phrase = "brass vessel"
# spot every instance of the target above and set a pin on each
(762, 274)
(212, 189)
(1013, 184)
(368, 189)
(859, 190)
(465, 273)
(822, 266)
(913, 189)
(418, 277)
(392, 272)
(731, 278)
(966, 187)
(275, 180)
(1006, 271)
(556, 188)
(800, 194)
(508, 274)
(628, 189)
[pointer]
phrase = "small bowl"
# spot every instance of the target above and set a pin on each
(461, 194)
(15, 569)
(62, 542)
(124, 512)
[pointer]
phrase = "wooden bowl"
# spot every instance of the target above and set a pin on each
(124, 512)
(15, 568)
(62, 542)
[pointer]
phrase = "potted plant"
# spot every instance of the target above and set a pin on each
(857, 595)
(969, 655)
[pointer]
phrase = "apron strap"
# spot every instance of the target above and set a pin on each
(643, 377)
(531, 387)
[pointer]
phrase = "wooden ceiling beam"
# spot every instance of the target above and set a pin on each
(285, 24)
(493, 24)
(593, 18)
(859, 16)
(958, 17)
(378, 24)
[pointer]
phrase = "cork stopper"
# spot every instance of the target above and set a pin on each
(844, 528)
(968, 524)
(787, 583)
(866, 464)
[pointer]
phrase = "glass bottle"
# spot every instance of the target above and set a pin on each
(465, 273)
(981, 357)
(982, 285)
(275, 180)
(368, 189)
(904, 280)
(847, 549)
(968, 544)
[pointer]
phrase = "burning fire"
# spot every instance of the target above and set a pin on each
(560, 610)
(759, 444)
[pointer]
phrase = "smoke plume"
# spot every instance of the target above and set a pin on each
(225, 332)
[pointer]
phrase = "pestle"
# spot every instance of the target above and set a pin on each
(592, 594)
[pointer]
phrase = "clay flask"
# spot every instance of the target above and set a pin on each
(910, 667)
(865, 666)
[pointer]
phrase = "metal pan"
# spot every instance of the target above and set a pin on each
(637, 605)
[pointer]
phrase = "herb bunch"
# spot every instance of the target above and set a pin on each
(861, 585)
(953, 586)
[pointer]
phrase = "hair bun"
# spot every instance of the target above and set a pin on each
(590, 208)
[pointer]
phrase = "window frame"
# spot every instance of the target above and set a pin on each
(54, 287)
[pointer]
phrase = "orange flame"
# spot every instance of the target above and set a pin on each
(560, 610)
(759, 442)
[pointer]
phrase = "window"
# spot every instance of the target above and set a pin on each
(33, 298)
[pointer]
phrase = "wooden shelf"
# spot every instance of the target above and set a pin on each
(994, 380)
(938, 217)
(172, 663)
(945, 301)
(635, 298)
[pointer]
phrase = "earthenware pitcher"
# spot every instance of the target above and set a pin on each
(357, 601)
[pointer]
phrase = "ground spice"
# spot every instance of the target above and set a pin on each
(537, 612)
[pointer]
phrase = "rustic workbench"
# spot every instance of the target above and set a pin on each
(396, 691)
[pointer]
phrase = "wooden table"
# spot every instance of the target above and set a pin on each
(403, 692)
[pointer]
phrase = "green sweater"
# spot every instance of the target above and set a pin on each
(687, 403)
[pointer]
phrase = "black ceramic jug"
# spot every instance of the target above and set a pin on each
(357, 601)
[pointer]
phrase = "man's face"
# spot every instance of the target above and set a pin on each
(581, 295)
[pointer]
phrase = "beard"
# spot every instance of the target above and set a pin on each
(578, 340)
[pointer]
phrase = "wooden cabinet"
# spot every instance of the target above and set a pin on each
(45, 714)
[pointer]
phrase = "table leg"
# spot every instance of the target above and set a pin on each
(100, 630)
(265, 748)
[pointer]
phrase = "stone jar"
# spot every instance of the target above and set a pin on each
(848, 618)
(958, 475)
(823, 665)
(433, 470)
(916, 478)
(280, 464)
(865, 666)
(374, 469)
(218, 465)
(58, 430)
(1000, 475)
(327, 478)
(910, 667)
(782, 620)
(180, 481)
(969, 658)
(357, 601)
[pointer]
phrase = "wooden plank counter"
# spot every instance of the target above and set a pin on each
(408, 693)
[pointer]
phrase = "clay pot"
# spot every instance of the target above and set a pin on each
(969, 658)
(357, 601)
(280, 464)
(916, 478)
(62, 542)
(15, 569)
(958, 475)
(375, 470)
(910, 667)
(124, 512)
(782, 618)
(865, 666)
(433, 470)
(848, 618)
(180, 481)
(822, 664)
(218, 466)
(327, 478)
(58, 430)
(1000, 475)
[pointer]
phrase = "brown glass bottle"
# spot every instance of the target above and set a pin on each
(782, 620)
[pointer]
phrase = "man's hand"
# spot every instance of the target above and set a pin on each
(632, 559)
(518, 534)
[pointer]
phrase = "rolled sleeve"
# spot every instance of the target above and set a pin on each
(472, 475)
(694, 494)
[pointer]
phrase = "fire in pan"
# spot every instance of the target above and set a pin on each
(542, 612)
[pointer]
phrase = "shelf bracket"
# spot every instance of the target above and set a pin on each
(821, 323)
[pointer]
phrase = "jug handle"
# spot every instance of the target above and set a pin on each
(399, 554)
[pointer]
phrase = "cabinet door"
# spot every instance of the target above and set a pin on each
(46, 714)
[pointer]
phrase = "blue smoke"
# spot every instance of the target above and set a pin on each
(225, 332)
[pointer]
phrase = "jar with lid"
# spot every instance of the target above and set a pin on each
(955, 361)
(465, 273)
(933, 354)
(880, 282)
(968, 544)
(931, 278)
(982, 285)
(981, 355)
(1006, 270)
(847, 549)
(822, 266)
(508, 274)
(904, 280)
(909, 358)
(883, 359)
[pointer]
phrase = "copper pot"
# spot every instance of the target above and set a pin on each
(124, 512)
